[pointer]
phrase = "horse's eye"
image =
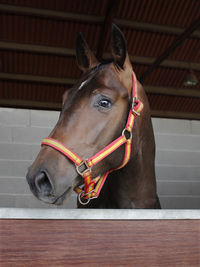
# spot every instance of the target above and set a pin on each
(105, 103)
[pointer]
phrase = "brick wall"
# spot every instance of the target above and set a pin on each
(177, 158)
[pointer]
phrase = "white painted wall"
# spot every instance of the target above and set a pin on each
(177, 158)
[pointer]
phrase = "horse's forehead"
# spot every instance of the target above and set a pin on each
(100, 76)
(107, 76)
(104, 76)
(113, 76)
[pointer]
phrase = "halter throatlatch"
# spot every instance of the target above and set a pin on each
(92, 187)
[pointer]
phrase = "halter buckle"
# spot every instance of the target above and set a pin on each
(83, 167)
(133, 106)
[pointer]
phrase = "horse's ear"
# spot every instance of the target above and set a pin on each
(118, 46)
(84, 56)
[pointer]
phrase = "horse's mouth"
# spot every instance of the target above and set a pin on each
(53, 200)
(64, 196)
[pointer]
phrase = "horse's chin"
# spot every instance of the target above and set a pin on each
(56, 200)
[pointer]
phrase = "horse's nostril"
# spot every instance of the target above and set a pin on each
(43, 184)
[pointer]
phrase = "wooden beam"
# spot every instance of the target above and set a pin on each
(166, 63)
(172, 91)
(16, 103)
(93, 19)
(175, 115)
(178, 41)
(35, 78)
(30, 11)
(71, 52)
(41, 49)
(153, 27)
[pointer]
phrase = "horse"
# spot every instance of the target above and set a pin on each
(102, 146)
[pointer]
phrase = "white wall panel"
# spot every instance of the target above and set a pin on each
(177, 172)
(178, 141)
(5, 134)
(14, 117)
(43, 119)
(172, 126)
(12, 151)
(29, 135)
(177, 158)
(15, 168)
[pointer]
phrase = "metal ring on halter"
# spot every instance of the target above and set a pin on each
(133, 106)
(126, 131)
(83, 203)
(84, 164)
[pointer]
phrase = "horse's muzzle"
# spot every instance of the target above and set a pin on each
(46, 188)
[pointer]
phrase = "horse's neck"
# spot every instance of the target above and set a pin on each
(134, 185)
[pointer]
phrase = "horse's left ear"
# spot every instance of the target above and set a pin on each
(84, 56)
(118, 47)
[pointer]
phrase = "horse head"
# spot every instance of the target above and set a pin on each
(94, 113)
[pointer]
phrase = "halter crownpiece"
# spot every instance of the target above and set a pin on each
(92, 187)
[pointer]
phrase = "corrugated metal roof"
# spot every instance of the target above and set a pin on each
(75, 6)
(63, 67)
(39, 31)
(169, 77)
(174, 103)
(32, 28)
(170, 12)
(31, 91)
(45, 31)
(39, 64)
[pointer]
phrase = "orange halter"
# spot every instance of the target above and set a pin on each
(92, 187)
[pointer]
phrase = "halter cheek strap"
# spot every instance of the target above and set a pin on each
(92, 187)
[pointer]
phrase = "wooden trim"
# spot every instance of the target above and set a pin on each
(99, 243)
(15, 103)
(175, 114)
(50, 13)
(93, 19)
(71, 52)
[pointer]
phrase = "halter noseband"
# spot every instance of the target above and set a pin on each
(92, 187)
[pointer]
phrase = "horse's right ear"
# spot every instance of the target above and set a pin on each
(84, 56)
